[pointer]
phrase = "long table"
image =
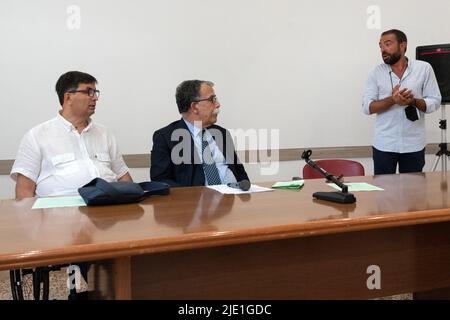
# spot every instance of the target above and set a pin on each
(199, 244)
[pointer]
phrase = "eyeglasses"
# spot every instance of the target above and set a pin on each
(90, 92)
(211, 99)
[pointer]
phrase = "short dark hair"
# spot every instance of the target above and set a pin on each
(70, 81)
(187, 92)
(399, 35)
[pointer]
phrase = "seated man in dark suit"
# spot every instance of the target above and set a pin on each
(193, 151)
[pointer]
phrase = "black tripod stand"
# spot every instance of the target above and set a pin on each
(443, 154)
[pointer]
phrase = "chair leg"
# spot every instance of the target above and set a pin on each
(37, 283)
(45, 284)
(12, 280)
(18, 284)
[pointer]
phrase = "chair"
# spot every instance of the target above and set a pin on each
(37, 286)
(336, 167)
(22, 289)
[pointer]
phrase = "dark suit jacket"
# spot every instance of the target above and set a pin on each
(190, 171)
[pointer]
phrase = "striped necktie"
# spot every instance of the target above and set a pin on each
(209, 166)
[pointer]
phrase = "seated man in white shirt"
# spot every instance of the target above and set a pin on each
(62, 154)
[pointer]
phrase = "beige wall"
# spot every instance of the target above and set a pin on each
(296, 66)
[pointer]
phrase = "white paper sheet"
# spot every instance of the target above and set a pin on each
(224, 189)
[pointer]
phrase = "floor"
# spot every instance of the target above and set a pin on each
(58, 286)
(59, 290)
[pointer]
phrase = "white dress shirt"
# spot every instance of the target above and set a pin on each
(393, 131)
(226, 175)
(60, 160)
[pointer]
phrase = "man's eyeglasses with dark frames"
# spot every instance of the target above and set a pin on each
(211, 99)
(90, 92)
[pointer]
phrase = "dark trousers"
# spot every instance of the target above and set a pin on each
(386, 162)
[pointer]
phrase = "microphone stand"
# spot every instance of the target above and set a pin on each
(338, 196)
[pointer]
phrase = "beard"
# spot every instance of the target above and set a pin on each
(392, 58)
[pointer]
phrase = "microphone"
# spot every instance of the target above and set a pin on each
(306, 154)
(341, 196)
(244, 185)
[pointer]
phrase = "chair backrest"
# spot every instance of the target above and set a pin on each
(336, 167)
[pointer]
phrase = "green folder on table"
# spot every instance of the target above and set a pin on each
(294, 184)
